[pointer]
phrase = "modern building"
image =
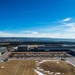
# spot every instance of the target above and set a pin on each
(22, 48)
(30, 47)
(45, 47)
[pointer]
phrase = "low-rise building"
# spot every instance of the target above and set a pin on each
(32, 47)
(22, 48)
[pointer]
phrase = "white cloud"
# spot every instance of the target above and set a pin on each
(29, 32)
(5, 34)
(62, 30)
(70, 27)
(47, 35)
(70, 24)
(70, 30)
(67, 19)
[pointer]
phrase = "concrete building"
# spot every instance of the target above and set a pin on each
(45, 47)
(22, 48)
(28, 47)
(32, 47)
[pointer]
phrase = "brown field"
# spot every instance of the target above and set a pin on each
(18, 67)
(26, 67)
(58, 66)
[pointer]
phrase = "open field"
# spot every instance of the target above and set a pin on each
(32, 67)
(21, 67)
(59, 67)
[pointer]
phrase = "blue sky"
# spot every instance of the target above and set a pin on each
(37, 18)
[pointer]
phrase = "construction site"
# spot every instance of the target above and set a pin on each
(36, 67)
(38, 60)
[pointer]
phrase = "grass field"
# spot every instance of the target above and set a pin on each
(27, 67)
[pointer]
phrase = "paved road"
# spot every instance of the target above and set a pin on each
(5, 55)
(71, 61)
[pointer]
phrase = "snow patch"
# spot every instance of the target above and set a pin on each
(57, 73)
(38, 68)
(39, 73)
(57, 62)
(70, 63)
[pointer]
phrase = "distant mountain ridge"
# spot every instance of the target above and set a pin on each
(25, 39)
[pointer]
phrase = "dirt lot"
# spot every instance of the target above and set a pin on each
(26, 67)
(18, 67)
(58, 66)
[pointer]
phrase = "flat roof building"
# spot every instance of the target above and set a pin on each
(22, 48)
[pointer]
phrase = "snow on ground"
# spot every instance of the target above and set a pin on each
(70, 63)
(38, 67)
(39, 73)
(47, 60)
